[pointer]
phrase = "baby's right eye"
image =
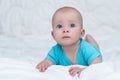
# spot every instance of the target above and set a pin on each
(59, 26)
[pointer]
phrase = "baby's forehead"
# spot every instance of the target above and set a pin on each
(67, 10)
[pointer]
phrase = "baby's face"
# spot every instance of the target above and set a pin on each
(67, 27)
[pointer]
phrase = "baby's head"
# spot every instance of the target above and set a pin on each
(68, 10)
(67, 26)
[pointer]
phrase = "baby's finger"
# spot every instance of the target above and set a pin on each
(38, 66)
(42, 68)
(71, 68)
(73, 72)
(78, 74)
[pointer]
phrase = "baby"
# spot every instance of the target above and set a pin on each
(71, 48)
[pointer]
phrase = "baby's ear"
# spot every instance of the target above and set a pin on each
(82, 33)
(52, 34)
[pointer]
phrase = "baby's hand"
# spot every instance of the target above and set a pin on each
(75, 70)
(42, 66)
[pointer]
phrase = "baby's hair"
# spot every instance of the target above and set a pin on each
(65, 9)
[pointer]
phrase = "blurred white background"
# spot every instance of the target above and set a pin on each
(25, 33)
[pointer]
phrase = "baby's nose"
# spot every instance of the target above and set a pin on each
(65, 31)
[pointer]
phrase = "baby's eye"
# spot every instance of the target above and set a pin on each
(59, 26)
(72, 25)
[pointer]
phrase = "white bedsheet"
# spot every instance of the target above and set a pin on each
(12, 69)
(19, 56)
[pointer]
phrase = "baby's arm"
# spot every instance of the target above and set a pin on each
(42, 66)
(77, 70)
(97, 60)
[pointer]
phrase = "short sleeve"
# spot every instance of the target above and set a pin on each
(54, 54)
(91, 53)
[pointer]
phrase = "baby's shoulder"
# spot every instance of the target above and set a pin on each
(85, 44)
(57, 48)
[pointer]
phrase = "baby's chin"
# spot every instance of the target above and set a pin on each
(66, 44)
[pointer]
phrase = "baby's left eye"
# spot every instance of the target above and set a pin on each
(72, 25)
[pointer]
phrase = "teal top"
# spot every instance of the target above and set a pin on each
(85, 55)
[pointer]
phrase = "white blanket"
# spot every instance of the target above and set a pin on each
(10, 69)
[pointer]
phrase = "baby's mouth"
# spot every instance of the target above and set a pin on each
(66, 37)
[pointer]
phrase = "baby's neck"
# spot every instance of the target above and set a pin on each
(71, 52)
(71, 49)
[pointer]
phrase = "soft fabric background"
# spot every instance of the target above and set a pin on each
(25, 28)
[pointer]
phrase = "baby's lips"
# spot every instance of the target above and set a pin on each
(65, 37)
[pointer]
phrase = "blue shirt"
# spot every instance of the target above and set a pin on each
(85, 55)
